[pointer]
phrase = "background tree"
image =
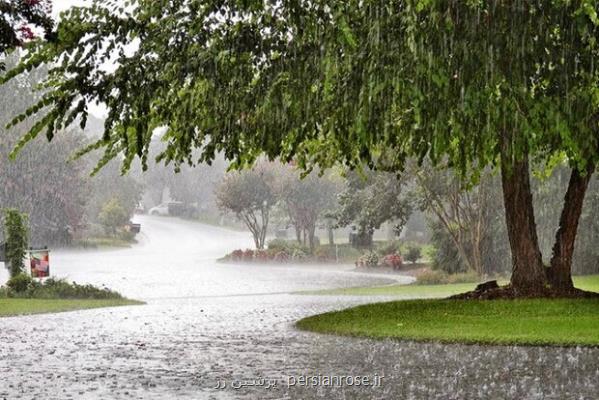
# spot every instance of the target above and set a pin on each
(44, 181)
(372, 198)
(464, 213)
(470, 83)
(16, 241)
(250, 195)
(306, 200)
(113, 216)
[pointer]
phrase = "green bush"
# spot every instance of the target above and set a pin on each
(413, 254)
(113, 216)
(22, 286)
(15, 233)
(19, 283)
(390, 247)
(278, 245)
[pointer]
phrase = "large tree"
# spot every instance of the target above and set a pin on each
(358, 82)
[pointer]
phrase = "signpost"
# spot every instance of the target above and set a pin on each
(39, 261)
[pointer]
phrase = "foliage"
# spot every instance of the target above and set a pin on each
(113, 216)
(372, 198)
(306, 200)
(250, 195)
(413, 254)
(393, 261)
(328, 81)
(389, 248)
(109, 184)
(368, 260)
(22, 286)
(18, 21)
(16, 240)
(19, 283)
(43, 181)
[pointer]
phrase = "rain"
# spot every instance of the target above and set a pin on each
(317, 200)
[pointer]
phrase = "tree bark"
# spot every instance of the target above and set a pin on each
(560, 272)
(528, 273)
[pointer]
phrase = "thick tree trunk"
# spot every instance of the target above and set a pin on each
(560, 273)
(528, 273)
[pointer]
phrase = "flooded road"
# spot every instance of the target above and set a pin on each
(220, 331)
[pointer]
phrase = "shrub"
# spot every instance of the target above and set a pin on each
(278, 245)
(432, 278)
(390, 247)
(393, 260)
(248, 255)
(22, 286)
(237, 255)
(113, 216)
(413, 254)
(261, 255)
(323, 253)
(19, 283)
(368, 260)
(282, 257)
(299, 253)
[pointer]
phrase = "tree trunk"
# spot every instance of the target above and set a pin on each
(528, 273)
(560, 273)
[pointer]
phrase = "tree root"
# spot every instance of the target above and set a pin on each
(508, 292)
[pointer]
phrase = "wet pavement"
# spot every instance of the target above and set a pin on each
(209, 325)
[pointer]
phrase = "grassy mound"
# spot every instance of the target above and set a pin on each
(563, 322)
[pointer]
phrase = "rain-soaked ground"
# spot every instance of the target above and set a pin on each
(207, 326)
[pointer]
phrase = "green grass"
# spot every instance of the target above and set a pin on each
(524, 322)
(13, 306)
(590, 283)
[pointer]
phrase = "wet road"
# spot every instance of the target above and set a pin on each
(207, 325)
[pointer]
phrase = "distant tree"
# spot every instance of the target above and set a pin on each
(413, 254)
(306, 200)
(372, 198)
(44, 181)
(113, 216)
(16, 239)
(250, 195)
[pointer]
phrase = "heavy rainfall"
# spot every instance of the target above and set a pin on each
(299, 200)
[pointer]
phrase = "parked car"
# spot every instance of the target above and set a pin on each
(161, 209)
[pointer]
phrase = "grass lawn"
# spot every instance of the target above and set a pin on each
(525, 322)
(589, 282)
(12, 306)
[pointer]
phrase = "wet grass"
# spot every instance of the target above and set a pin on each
(562, 322)
(12, 306)
(589, 282)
